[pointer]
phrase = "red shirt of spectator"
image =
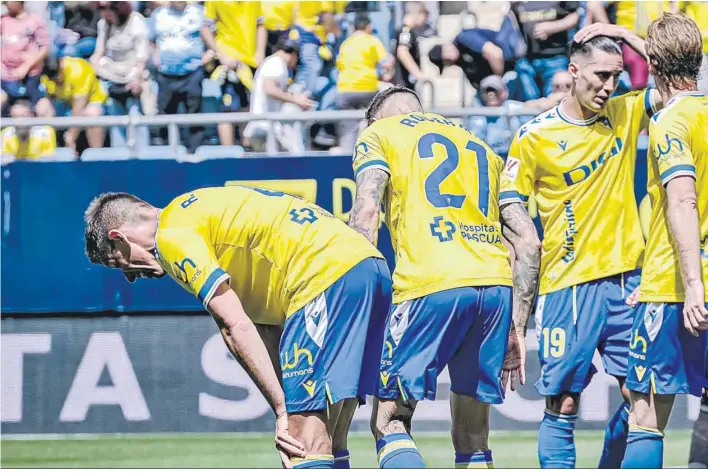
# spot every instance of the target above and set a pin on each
(21, 35)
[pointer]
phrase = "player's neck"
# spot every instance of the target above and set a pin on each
(669, 92)
(144, 234)
(571, 106)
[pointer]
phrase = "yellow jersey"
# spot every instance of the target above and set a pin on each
(78, 80)
(698, 12)
(42, 142)
(307, 13)
(236, 27)
(636, 16)
(277, 251)
(442, 203)
(357, 60)
(278, 16)
(678, 146)
(581, 174)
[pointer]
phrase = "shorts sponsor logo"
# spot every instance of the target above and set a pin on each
(288, 366)
(635, 343)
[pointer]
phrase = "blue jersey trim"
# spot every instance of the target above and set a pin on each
(509, 195)
(678, 170)
(648, 103)
(524, 198)
(380, 163)
(574, 121)
(215, 278)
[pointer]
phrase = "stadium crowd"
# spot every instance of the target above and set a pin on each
(123, 58)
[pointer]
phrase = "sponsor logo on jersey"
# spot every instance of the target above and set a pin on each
(571, 230)
(584, 171)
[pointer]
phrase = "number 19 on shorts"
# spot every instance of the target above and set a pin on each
(553, 342)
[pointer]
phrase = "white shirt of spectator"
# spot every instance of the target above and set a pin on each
(274, 67)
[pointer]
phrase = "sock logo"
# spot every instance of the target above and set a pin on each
(310, 387)
(640, 370)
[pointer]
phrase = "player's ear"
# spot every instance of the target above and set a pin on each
(116, 236)
(574, 69)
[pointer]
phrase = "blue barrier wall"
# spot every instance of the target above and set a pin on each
(44, 268)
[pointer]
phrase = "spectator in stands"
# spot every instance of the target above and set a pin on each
(497, 132)
(415, 26)
(698, 12)
(77, 91)
(25, 143)
(25, 45)
(636, 17)
(359, 59)
(562, 82)
(179, 57)
(545, 26)
(81, 30)
(314, 21)
(278, 18)
(270, 94)
(240, 45)
(120, 59)
(481, 52)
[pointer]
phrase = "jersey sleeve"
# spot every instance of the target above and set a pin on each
(519, 171)
(381, 52)
(190, 260)
(210, 12)
(369, 153)
(669, 141)
(641, 106)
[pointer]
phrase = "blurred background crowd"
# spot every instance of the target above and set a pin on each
(93, 59)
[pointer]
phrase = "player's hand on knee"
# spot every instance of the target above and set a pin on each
(286, 444)
(633, 298)
(514, 367)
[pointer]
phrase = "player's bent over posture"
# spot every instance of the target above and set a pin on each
(669, 345)
(453, 279)
(578, 161)
(255, 256)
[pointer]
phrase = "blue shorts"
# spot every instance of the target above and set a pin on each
(30, 88)
(465, 328)
(330, 348)
(574, 322)
(663, 356)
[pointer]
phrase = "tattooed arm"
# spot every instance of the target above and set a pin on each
(520, 232)
(364, 218)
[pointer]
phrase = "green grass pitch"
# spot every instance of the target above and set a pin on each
(511, 450)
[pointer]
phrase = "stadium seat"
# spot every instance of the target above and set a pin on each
(107, 154)
(216, 152)
(61, 155)
(160, 152)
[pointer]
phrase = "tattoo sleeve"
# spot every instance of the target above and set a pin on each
(364, 218)
(520, 232)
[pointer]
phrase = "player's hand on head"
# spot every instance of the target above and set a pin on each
(514, 367)
(695, 315)
(287, 445)
(598, 29)
(633, 298)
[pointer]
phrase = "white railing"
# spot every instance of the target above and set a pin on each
(173, 122)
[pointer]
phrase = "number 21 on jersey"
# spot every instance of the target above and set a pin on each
(448, 166)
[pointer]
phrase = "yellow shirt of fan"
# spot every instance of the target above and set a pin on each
(678, 146)
(278, 252)
(278, 16)
(357, 60)
(236, 27)
(42, 142)
(698, 12)
(636, 16)
(79, 80)
(442, 203)
(581, 173)
(307, 13)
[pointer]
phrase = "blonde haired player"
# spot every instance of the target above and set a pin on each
(669, 346)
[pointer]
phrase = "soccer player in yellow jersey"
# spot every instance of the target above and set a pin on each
(72, 82)
(669, 345)
(447, 207)
(255, 256)
(578, 161)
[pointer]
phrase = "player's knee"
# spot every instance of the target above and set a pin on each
(565, 403)
(391, 417)
(310, 428)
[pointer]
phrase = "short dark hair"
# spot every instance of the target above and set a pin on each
(380, 98)
(361, 21)
(287, 44)
(51, 67)
(602, 43)
(107, 212)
